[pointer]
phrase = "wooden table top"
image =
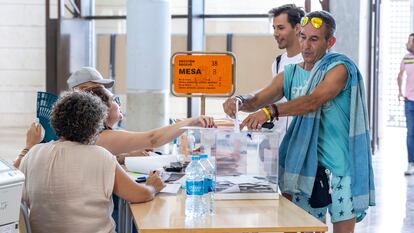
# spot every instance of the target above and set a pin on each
(166, 213)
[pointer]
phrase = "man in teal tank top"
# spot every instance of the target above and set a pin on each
(330, 130)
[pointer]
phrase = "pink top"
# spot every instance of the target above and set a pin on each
(407, 64)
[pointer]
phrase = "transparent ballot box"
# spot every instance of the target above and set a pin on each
(246, 162)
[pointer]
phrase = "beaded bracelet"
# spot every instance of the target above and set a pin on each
(24, 152)
(276, 111)
(272, 112)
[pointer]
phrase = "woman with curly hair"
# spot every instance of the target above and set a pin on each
(69, 182)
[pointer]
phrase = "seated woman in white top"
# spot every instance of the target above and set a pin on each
(69, 182)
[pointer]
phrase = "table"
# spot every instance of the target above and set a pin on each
(166, 213)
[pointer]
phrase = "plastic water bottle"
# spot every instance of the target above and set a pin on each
(194, 186)
(209, 180)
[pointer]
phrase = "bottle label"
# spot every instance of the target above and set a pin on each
(208, 185)
(194, 187)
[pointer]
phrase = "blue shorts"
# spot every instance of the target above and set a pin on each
(340, 209)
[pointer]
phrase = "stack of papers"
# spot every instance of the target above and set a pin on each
(145, 164)
(243, 184)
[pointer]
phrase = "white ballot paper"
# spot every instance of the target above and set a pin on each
(145, 164)
(171, 188)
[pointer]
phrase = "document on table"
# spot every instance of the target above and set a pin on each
(145, 164)
(171, 188)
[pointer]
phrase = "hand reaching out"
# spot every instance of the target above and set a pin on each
(229, 107)
(202, 121)
(254, 121)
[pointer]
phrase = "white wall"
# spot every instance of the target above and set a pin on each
(22, 59)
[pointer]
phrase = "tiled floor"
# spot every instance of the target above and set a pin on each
(395, 192)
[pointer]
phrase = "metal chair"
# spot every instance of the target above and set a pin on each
(24, 223)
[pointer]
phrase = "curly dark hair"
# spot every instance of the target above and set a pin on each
(78, 116)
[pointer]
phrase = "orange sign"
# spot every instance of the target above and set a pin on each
(202, 74)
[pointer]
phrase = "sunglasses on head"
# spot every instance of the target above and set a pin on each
(315, 21)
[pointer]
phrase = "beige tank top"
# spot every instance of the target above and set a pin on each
(68, 187)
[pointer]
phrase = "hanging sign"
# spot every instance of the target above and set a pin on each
(203, 74)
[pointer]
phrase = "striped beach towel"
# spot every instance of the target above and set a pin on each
(298, 159)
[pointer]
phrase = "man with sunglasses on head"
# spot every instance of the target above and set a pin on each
(286, 29)
(325, 157)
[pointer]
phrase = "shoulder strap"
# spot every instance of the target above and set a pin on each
(290, 96)
(291, 80)
(278, 58)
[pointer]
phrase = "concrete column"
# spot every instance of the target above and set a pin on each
(148, 63)
(353, 39)
(352, 31)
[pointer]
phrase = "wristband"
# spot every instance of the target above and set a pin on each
(266, 111)
(272, 113)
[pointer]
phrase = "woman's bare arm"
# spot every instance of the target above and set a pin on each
(119, 141)
(131, 191)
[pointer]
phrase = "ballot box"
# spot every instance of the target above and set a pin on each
(246, 162)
